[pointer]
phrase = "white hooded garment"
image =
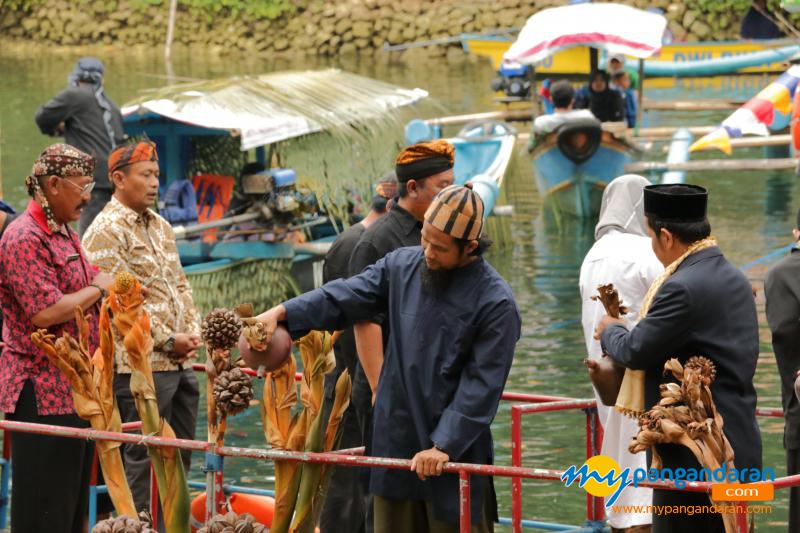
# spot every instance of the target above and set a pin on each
(622, 255)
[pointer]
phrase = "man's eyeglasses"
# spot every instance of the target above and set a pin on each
(86, 189)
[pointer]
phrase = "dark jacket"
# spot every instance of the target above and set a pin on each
(705, 308)
(782, 289)
(444, 370)
(84, 127)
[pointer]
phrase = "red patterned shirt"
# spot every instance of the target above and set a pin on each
(37, 268)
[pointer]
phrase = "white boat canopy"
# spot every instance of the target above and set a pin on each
(616, 28)
(274, 107)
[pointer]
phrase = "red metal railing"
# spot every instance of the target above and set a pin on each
(353, 457)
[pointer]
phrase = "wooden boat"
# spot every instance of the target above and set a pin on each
(678, 59)
(253, 112)
(702, 58)
(483, 152)
(573, 165)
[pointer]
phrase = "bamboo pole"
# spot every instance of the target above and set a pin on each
(524, 114)
(715, 164)
(754, 142)
(707, 104)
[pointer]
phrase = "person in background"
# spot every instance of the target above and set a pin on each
(782, 290)
(621, 255)
(422, 170)
(453, 326)
(129, 236)
(616, 63)
(563, 96)
(621, 82)
(345, 504)
(604, 103)
(88, 120)
(44, 276)
(759, 23)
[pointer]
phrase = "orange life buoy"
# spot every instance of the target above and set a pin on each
(795, 122)
(261, 507)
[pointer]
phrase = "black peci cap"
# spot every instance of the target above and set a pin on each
(676, 202)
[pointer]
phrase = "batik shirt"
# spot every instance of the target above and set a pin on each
(37, 269)
(121, 239)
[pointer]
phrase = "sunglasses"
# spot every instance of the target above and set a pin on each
(86, 189)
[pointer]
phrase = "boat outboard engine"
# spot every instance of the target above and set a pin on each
(579, 139)
(277, 193)
(514, 80)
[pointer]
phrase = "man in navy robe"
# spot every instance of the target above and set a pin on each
(453, 328)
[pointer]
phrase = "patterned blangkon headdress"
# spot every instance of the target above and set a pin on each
(60, 160)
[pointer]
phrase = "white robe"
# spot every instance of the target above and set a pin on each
(627, 261)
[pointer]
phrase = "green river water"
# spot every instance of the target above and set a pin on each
(751, 213)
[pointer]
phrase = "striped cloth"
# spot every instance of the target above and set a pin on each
(457, 211)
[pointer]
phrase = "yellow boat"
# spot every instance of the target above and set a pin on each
(576, 60)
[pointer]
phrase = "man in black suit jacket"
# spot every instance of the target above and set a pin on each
(705, 307)
(782, 289)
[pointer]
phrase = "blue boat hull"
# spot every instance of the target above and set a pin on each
(577, 188)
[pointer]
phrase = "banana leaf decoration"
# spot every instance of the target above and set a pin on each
(91, 380)
(299, 488)
(126, 302)
(686, 415)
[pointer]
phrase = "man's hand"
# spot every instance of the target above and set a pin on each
(185, 346)
(270, 320)
(429, 463)
(104, 280)
(604, 323)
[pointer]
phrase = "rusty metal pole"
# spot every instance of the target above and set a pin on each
(464, 499)
(516, 460)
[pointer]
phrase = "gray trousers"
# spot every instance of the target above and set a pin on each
(407, 516)
(793, 467)
(178, 396)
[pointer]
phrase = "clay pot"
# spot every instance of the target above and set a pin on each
(606, 375)
(276, 354)
(797, 385)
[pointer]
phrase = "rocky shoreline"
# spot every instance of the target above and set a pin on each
(317, 27)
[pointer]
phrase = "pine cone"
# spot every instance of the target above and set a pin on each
(706, 367)
(233, 390)
(124, 524)
(233, 523)
(220, 329)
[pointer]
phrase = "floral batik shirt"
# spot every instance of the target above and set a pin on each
(37, 269)
(120, 239)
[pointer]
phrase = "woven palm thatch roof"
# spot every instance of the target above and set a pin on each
(278, 106)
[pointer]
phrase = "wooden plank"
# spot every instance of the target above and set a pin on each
(715, 164)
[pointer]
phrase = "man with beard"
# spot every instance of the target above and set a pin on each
(344, 508)
(422, 169)
(88, 120)
(453, 324)
(44, 276)
(129, 236)
(699, 305)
